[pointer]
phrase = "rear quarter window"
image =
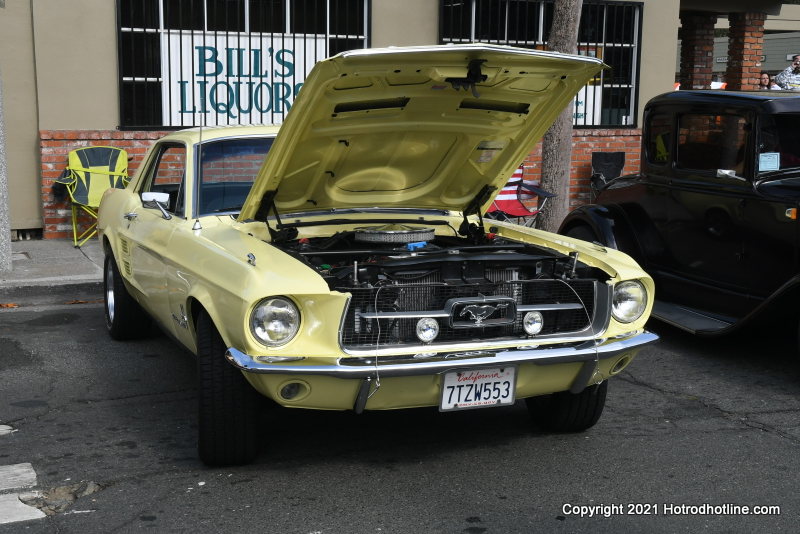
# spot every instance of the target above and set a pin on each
(708, 142)
(659, 139)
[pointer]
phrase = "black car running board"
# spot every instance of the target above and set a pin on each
(693, 321)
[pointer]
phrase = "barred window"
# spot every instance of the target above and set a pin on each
(607, 30)
(188, 63)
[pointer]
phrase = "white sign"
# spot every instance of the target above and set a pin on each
(588, 105)
(232, 78)
(769, 161)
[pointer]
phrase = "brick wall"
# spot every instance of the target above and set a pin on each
(745, 48)
(584, 142)
(697, 49)
(56, 145)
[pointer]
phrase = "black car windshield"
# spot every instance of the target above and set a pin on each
(779, 144)
(227, 170)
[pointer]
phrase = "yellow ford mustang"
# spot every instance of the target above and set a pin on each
(342, 262)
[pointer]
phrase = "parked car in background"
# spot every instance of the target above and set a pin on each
(712, 215)
(353, 269)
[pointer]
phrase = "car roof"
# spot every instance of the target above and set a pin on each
(195, 135)
(765, 101)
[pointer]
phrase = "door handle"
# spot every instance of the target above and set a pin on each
(130, 216)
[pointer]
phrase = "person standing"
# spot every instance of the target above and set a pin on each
(789, 78)
(765, 83)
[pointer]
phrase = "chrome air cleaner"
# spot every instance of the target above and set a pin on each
(394, 233)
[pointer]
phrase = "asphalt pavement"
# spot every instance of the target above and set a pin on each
(52, 271)
(694, 430)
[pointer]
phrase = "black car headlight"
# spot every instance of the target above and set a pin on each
(629, 302)
(275, 321)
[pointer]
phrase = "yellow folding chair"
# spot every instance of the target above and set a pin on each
(90, 171)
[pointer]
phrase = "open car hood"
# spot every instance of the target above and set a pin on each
(416, 127)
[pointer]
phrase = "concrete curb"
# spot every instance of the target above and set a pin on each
(53, 272)
(37, 295)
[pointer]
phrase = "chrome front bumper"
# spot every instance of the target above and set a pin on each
(590, 352)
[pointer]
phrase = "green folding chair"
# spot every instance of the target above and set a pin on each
(90, 172)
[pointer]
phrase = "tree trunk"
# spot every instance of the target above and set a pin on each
(557, 142)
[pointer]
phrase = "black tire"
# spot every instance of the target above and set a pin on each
(583, 232)
(125, 319)
(568, 412)
(228, 406)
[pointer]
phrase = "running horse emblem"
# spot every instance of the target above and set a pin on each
(479, 312)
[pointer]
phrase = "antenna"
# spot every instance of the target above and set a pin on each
(199, 179)
(200, 143)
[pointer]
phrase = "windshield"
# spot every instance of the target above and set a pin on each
(779, 143)
(227, 170)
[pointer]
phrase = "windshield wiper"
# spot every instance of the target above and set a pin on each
(344, 220)
(232, 208)
(383, 210)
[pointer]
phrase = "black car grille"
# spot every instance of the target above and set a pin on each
(408, 302)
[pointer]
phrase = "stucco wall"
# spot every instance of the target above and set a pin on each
(76, 63)
(788, 20)
(660, 23)
(19, 112)
(406, 23)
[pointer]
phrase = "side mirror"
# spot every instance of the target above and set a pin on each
(157, 200)
(153, 196)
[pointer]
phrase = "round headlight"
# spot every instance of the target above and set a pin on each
(630, 301)
(533, 323)
(427, 329)
(275, 321)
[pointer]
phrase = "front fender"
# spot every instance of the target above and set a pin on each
(227, 285)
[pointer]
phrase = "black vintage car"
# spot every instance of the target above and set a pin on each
(713, 214)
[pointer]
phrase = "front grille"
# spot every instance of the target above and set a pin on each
(362, 329)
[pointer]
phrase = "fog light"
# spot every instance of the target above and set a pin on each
(620, 365)
(291, 390)
(533, 323)
(427, 329)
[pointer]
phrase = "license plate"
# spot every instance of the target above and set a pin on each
(478, 388)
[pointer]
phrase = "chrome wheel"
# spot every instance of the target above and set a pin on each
(109, 293)
(124, 318)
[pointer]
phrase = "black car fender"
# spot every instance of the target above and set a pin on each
(600, 219)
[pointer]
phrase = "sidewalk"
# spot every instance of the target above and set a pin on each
(51, 271)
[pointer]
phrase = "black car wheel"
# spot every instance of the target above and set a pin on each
(568, 412)
(125, 319)
(229, 407)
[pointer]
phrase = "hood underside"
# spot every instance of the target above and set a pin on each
(419, 127)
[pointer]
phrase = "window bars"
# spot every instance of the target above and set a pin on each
(608, 30)
(188, 63)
